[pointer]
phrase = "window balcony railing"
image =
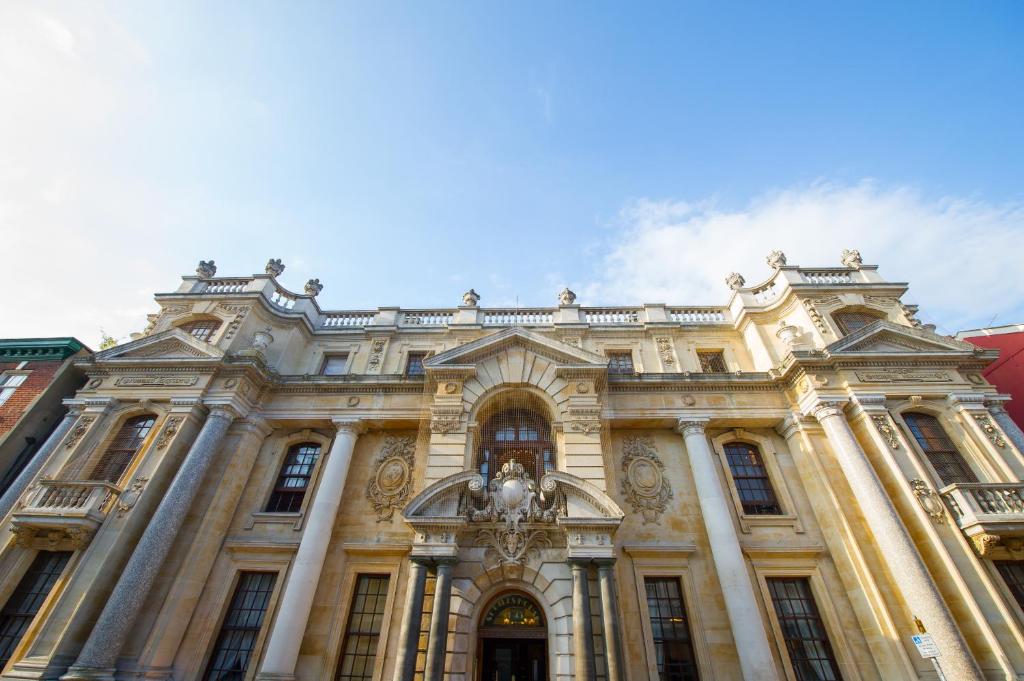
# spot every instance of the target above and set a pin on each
(64, 511)
(987, 510)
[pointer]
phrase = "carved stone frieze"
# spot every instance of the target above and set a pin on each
(127, 500)
(170, 430)
(391, 477)
(899, 375)
(586, 420)
(816, 318)
(376, 354)
(885, 427)
(155, 381)
(512, 547)
(572, 341)
(79, 431)
(929, 500)
(666, 351)
(644, 483)
(240, 312)
(445, 419)
(991, 432)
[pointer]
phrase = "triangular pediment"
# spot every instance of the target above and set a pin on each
(173, 344)
(480, 349)
(884, 337)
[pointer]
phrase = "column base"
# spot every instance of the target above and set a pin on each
(76, 673)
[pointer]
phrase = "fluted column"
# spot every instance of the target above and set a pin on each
(409, 637)
(999, 415)
(99, 655)
(438, 640)
(582, 627)
(36, 463)
(908, 569)
(297, 597)
(610, 618)
(745, 619)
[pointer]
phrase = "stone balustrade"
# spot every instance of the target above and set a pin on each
(989, 508)
(827, 277)
(73, 510)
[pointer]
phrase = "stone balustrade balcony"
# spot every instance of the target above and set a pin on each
(990, 514)
(63, 513)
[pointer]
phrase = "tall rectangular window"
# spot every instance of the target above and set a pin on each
(23, 605)
(293, 480)
(1012, 572)
(712, 361)
(123, 448)
(241, 627)
(943, 455)
(359, 650)
(751, 478)
(810, 651)
(670, 629)
(335, 365)
(414, 364)
(10, 383)
(620, 363)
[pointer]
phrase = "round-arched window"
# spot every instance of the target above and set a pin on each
(516, 433)
(513, 610)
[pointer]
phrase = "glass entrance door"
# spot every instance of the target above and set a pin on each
(511, 659)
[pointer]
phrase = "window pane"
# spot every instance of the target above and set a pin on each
(359, 649)
(414, 364)
(123, 448)
(849, 322)
(238, 634)
(807, 642)
(202, 330)
(1012, 572)
(335, 365)
(293, 480)
(751, 478)
(620, 363)
(712, 361)
(24, 603)
(943, 455)
(516, 433)
(670, 630)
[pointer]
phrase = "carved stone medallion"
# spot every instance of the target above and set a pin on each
(391, 479)
(645, 485)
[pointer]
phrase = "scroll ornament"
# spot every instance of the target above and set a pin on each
(887, 431)
(645, 485)
(929, 500)
(391, 481)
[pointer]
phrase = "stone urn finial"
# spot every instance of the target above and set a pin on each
(735, 281)
(566, 297)
(470, 298)
(852, 259)
(776, 259)
(206, 269)
(314, 287)
(275, 267)
(787, 333)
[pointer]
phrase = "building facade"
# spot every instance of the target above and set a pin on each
(1007, 372)
(789, 486)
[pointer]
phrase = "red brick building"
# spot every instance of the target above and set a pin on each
(1007, 372)
(36, 374)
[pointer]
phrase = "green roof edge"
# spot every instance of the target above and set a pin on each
(39, 348)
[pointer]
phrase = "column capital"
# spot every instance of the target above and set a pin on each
(966, 401)
(604, 563)
(824, 408)
(348, 425)
(691, 425)
(870, 402)
(445, 561)
(104, 405)
(254, 424)
(581, 563)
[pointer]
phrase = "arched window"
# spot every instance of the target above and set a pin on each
(849, 321)
(751, 477)
(123, 448)
(292, 482)
(943, 455)
(516, 433)
(201, 329)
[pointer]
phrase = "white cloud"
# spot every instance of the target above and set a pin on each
(961, 256)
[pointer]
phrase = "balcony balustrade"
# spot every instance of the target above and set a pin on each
(990, 514)
(61, 512)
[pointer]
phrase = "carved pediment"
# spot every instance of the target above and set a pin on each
(884, 337)
(471, 353)
(171, 344)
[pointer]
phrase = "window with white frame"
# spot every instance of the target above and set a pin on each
(10, 383)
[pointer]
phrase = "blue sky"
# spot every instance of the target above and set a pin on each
(403, 152)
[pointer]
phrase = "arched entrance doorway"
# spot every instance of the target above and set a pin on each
(513, 640)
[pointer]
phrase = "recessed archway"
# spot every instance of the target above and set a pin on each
(512, 639)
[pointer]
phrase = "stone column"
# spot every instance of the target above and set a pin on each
(438, 640)
(36, 463)
(409, 636)
(999, 415)
(748, 631)
(582, 627)
(895, 545)
(297, 596)
(98, 658)
(610, 618)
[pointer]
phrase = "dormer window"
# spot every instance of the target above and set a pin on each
(414, 364)
(850, 321)
(202, 329)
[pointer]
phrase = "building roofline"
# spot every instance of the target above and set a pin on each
(40, 348)
(990, 331)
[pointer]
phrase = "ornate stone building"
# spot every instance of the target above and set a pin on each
(785, 487)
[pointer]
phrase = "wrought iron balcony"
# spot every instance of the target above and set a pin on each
(63, 513)
(990, 514)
